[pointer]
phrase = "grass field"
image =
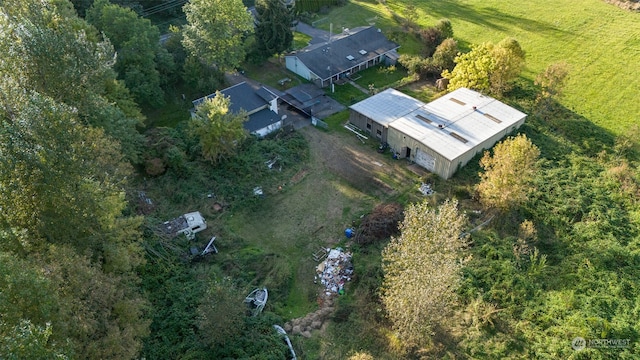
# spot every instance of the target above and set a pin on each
(600, 42)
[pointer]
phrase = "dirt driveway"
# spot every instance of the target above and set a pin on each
(357, 163)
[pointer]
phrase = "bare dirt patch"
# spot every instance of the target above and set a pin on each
(358, 164)
(299, 176)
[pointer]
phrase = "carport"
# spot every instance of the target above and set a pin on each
(310, 101)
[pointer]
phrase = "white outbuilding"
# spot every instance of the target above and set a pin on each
(441, 136)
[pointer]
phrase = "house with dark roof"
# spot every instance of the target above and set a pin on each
(343, 55)
(261, 104)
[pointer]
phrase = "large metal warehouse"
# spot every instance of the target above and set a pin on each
(441, 136)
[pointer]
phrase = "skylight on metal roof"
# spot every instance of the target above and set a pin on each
(423, 118)
(363, 52)
(350, 58)
(457, 101)
(495, 119)
(458, 137)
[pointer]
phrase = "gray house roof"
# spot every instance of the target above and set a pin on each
(346, 50)
(260, 120)
(254, 101)
(241, 96)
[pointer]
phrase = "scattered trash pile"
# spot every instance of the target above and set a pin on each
(334, 271)
(426, 189)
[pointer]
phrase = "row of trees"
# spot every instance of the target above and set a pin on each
(214, 40)
(440, 50)
(67, 136)
(487, 67)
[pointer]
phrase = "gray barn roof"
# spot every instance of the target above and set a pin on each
(346, 50)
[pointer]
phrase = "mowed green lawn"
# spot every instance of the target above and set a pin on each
(600, 42)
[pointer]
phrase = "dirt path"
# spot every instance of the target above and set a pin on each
(357, 163)
(343, 156)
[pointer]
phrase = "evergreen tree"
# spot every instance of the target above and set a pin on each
(273, 32)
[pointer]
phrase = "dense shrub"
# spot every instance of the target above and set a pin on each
(381, 224)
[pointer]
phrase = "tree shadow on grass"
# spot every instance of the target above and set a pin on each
(555, 129)
(486, 17)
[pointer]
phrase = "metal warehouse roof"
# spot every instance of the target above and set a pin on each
(450, 125)
(387, 106)
(457, 122)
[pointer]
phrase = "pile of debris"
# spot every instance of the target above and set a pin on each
(188, 224)
(312, 321)
(426, 189)
(333, 272)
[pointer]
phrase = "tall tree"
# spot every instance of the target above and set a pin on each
(472, 69)
(507, 174)
(273, 32)
(136, 41)
(445, 54)
(215, 30)
(219, 130)
(47, 49)
(445, 27)
(487, 67)
(422, 270)
(509, 62)
(551, 82)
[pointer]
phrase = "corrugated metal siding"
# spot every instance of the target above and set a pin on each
(398, 141)
(361, 122)
(358, 119)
